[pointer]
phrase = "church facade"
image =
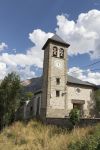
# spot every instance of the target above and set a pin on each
(56, 93)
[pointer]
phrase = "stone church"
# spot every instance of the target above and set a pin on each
(56, 93)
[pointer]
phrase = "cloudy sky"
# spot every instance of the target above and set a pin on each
(25, 25)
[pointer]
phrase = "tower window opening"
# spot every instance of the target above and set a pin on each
(61, 53)
(57, 81)
(57, 93)
(55, 51)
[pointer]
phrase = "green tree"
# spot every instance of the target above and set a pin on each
(74, 116)
(9, 98)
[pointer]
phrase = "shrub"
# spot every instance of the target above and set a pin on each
(74, 116)
(91, 142)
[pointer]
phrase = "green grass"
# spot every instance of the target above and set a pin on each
(37, 136)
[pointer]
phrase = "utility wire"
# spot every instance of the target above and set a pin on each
(95, 69)
(92, 64)
(86, 66)
(51, 78)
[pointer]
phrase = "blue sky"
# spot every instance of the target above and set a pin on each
(23, 21)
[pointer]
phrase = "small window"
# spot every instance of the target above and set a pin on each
(57, 93)
(57, 81)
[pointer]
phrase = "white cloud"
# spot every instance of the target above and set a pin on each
(85, 75)
(22, 63)
(3, 46)
(24, 71)
(34, 55)
(2, 70)
(39, 37)
(14, 50)
(83, 35)
(76, 72)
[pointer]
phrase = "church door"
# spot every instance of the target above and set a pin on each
(79, 107)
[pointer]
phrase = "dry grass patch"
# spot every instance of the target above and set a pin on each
(36, 136)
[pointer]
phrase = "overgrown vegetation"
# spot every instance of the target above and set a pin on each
(37, 136)
(9, 98)
(90, 142)
(74, 116)
(12, 96)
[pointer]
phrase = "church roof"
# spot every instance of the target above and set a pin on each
(57, 39)
(74, 80)
(35, 84)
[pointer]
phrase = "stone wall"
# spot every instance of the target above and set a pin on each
(85, 94)
(64, 122)
(56, 106)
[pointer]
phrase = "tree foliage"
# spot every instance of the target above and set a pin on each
(74, 116)
(9, 98)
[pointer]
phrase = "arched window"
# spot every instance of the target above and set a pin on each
(55, 51)
(61, 53)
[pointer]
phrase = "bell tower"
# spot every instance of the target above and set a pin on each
(54, 91)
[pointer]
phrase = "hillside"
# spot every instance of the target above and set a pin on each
(36, 136)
